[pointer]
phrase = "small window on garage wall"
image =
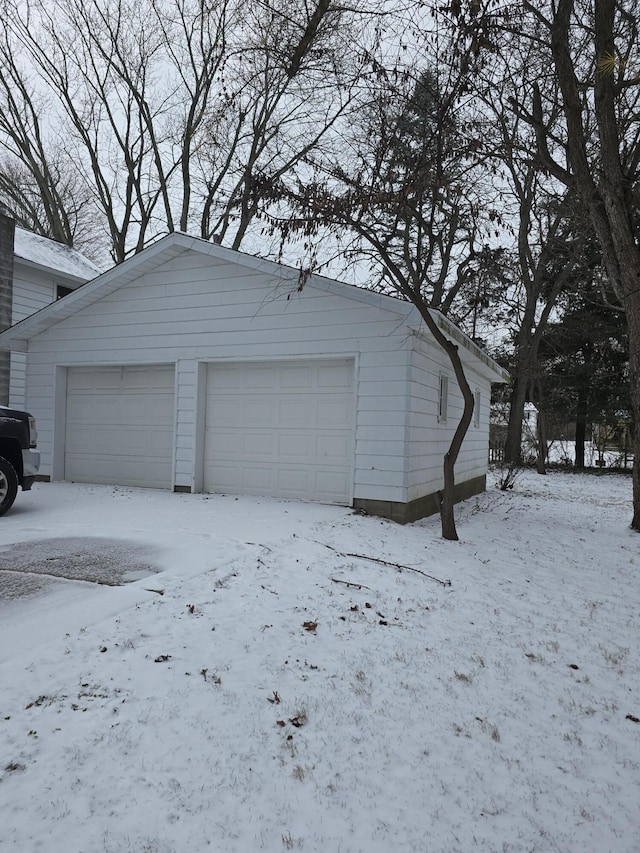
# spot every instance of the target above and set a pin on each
(443, 398)
(476, 408)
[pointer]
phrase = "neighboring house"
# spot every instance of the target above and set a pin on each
(38, 271)
(498, 423)
(197, 368)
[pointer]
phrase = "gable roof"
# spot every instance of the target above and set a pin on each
(175, 244)
(45, 253)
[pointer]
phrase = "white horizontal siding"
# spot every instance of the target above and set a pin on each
(33, 289)
(194, 311)
(381, 427)
(17, 382)
(29, 295)
(429, 439)
(186, 403)
(40, 402)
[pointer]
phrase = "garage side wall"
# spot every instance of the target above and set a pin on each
(430, 429)
(195, 311)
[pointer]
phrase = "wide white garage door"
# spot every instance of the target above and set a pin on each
(120, 425)
(281, 428)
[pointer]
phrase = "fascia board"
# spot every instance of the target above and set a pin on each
(471, 353)
(56, 273)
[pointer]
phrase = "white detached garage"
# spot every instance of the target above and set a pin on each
(196, 368)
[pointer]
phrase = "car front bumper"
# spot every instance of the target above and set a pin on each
(30, 467)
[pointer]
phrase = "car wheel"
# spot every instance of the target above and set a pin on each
(8, 485)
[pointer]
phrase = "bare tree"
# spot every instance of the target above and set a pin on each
(289, 58)
(542, 232)
(538, 211)
(33, 183)
(173, 113)
(600, 88)
(407, 189)
(588, 138)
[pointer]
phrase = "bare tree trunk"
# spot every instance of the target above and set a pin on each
(447, 518)
(447, 500)
(541, 429)
(581, 433)
(513, 444)
(605, 188)
(633, 320)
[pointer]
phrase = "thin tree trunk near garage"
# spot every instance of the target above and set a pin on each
(447, 497)
(450, 457)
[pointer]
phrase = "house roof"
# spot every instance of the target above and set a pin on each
(175, 244)
(45, 253)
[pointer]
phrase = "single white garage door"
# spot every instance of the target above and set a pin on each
(281, 428)
(120, 425)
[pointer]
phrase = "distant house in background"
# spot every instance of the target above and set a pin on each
(35, 272)
(498, 422)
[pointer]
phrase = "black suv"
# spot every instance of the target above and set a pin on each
(19, 460)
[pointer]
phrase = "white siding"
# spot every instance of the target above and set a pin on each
(186, 419)
(33, 289)
(197, 310)
(429, 439)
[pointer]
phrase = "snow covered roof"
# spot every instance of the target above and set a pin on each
(44, 252)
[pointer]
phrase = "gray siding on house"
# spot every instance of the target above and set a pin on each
(7, 236)
(32, 290)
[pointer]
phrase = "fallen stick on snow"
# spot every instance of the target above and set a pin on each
(382, 563)
(350, 583)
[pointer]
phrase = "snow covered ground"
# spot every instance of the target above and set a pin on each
(564, 453)
(282, 693)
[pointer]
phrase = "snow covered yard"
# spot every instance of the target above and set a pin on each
(280, 694)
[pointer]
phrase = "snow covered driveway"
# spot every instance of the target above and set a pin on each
(61, 539)
(272, 688)
(28, 566)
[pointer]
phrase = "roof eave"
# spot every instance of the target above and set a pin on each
(176, 243)
(490, 368)
(55, 270)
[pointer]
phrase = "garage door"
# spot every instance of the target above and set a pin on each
(120, 425)
(281, 428)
